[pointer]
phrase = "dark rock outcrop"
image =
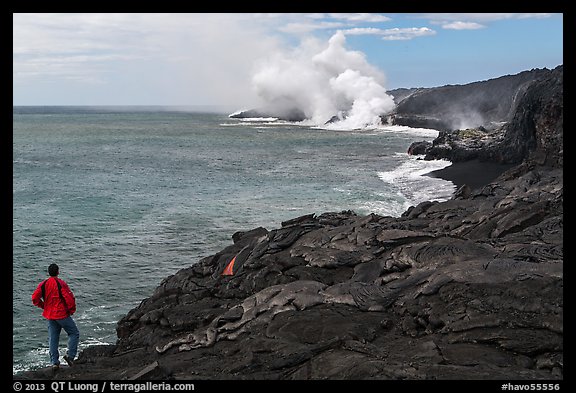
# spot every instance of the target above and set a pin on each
(418, 121)
(419, 148)
(463, 106)
(294, 114)
(537, 125)
(467, 144)
(535, 128)
(469, 288)
(448, 290)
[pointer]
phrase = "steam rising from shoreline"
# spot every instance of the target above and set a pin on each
(332, 85)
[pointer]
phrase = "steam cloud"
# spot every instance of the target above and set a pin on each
(324, 83)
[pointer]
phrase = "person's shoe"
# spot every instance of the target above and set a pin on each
(69, 360)
(55, 367)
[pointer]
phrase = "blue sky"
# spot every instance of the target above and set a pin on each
(210, 59)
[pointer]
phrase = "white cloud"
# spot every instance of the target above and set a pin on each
(363, 31)
(459, 25)
(393, 34)
(361, 17)
(90, 69)
(306, 23)
(442, 18)
(205, 58)
(303, 27)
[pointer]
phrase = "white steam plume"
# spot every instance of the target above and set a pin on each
(323, 83)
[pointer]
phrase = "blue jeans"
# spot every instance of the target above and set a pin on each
(54, 328)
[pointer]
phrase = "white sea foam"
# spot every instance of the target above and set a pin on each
(409, 180)
(258, 122)
(257, 119)
(427, 132)
(375, 129)
(34, 359)
(337, 126)
(239, 111)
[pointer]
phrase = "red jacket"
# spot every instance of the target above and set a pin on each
(51, 303)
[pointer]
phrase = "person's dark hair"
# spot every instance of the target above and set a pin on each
(53, 270)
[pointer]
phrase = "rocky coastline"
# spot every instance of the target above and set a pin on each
(469, 288)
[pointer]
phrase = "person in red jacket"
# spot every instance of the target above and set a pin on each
(57, 300)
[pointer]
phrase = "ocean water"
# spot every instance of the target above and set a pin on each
(121, 198)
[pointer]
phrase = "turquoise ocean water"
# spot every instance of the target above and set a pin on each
(121, 198)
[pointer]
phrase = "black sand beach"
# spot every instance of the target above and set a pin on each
(474, 173)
